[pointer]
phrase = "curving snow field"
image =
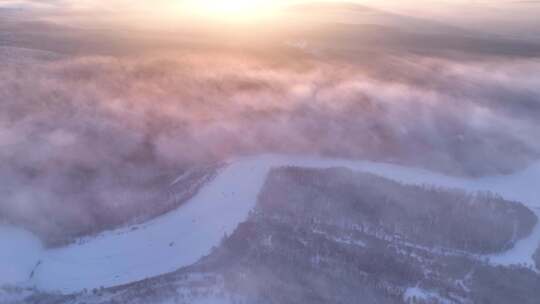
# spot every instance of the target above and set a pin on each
(183, 236)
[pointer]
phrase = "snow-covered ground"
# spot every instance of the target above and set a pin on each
(19, 252)
(183, 236)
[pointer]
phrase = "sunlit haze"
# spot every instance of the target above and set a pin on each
(269, 152)
(234, 9)
(488, 16)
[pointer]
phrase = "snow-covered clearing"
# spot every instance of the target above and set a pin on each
(183, 236)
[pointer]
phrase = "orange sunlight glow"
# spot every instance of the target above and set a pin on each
(235, 10)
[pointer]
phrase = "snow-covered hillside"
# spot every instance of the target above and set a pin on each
(183, 236)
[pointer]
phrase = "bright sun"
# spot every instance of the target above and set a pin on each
(235, 10)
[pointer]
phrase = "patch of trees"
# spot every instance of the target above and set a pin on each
(478, 223)
(301, 266)
(273, 258)
(500, 285)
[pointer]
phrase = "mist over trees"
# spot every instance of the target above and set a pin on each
(92, 120)
(78, 125)
(107, 122)
(436, 218)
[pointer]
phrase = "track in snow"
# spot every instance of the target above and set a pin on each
(183, 236)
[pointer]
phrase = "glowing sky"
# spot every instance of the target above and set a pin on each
(505, 15)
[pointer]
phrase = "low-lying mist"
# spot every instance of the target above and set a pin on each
(85, 136)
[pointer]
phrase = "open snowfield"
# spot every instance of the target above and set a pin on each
(183, 236)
